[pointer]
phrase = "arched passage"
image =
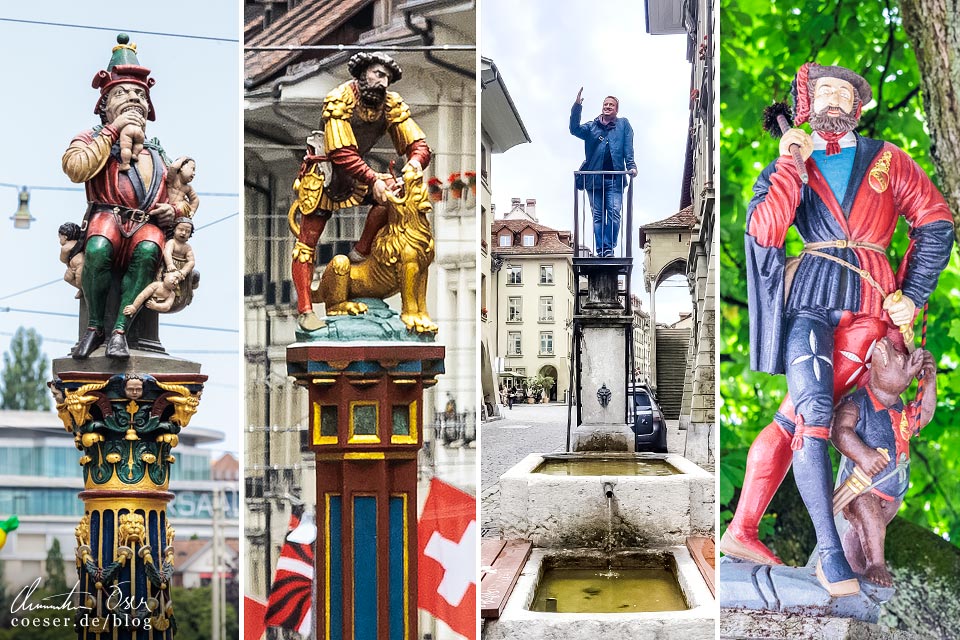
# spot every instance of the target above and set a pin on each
(551, 372)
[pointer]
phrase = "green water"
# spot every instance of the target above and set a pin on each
(616, 591)
(606, 467)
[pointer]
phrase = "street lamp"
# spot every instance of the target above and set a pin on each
(22, 218)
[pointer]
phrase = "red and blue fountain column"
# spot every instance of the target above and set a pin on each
(366, 428)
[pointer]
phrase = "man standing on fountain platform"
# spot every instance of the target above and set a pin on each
(127, 208)
(608, 145)
(820, 330)
(355, 117)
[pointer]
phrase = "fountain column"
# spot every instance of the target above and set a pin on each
(605, 327)
(366, 427)
(126, 425)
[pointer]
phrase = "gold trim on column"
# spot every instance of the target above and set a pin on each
(406, 566)
(364, 455)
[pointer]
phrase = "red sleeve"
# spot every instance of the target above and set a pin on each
(776, 206)
(348, 160)
(914, 194)
(420, 151)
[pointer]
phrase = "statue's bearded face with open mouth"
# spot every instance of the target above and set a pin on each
(124, 97)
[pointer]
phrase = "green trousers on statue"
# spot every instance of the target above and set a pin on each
(97, 266)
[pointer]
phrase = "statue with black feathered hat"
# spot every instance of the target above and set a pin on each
(335, 173)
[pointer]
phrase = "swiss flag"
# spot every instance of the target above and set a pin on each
(254, 614)
(448, 557)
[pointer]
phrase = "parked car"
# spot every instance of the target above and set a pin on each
(649, 426)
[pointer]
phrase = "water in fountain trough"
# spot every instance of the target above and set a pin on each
(627, 590)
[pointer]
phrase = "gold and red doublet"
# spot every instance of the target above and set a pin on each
(351, 130)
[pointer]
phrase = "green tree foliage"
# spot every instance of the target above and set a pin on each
(24, 373)
(193, 609)
(56, 581)
(762, 45)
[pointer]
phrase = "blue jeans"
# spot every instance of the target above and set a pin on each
(605, 202)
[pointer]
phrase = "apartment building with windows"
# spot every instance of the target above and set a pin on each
(534, 298)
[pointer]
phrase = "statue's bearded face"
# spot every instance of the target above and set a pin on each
(373, 85)
(834, 102)
(125, 97)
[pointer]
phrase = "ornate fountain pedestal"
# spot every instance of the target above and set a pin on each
(125, 417)
(366, 427)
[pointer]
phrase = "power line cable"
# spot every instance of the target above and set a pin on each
(10, 334)
(207, 194)
(210, 224)
(73, 315)
(34, 288)
(137, 31)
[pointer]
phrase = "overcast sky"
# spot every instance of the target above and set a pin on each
(545, 52)
(47, 71)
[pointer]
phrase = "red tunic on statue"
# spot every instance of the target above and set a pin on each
(130, 191)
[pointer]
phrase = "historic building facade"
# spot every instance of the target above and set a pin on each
(534, 298)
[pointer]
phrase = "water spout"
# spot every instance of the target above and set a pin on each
(608, 489)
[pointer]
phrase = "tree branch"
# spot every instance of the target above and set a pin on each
(906, 99)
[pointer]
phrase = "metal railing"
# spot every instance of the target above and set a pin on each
(594, 208)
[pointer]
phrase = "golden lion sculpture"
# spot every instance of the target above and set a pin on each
(402, 252)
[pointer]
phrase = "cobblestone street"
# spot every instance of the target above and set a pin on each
(525, 429)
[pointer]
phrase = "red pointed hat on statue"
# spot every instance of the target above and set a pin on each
(124, 68)
(813, 71)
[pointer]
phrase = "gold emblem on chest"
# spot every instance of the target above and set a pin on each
(905, 431)
(879, 177)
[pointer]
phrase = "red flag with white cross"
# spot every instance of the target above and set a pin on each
(448, 557)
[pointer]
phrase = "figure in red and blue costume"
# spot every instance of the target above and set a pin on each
(821, 329)
(127, 210)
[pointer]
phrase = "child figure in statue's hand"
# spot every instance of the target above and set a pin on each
(872, 429)
(180, 192)
(71, 252)
(131, 145)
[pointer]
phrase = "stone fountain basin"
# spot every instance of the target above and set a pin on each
(695, 623)
(572, 511)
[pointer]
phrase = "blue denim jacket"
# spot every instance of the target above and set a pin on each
(597, 137)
